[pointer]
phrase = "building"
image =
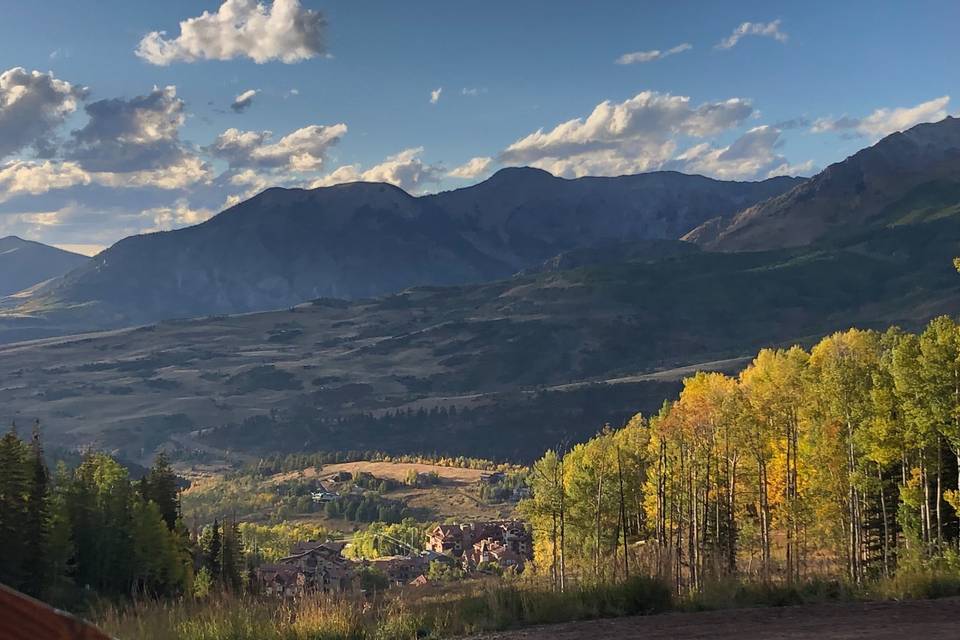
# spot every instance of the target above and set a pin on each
(311, 566)
(487, 552)
(507, 543)
(401, 569)
(323, 495)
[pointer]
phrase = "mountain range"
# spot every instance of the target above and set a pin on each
(359, 240)
(603, 313)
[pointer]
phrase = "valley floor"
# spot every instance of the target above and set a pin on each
(927, 619)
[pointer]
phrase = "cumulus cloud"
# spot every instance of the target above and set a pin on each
(755, 154)
(186, 172)
(405, 170)
(435, 95)
(302, 150)
(765, 29)
(634, 135)
(139, 134)
(243, 101)
(38, 177)
(473, 168)
(283, 31)
(883, 122)
(179, 214)
(654, 54)
(32, 106)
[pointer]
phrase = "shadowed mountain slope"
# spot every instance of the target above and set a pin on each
(360, 240)
(24, 264)
(907, 177)
(498, 369)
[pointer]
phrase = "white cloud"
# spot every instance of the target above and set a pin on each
(655, 54)
(283, 31)
(35, 177)
(765, 29)
(634, 135)
(179, 214)
(186, 172)
(405, 170)
(32, 106)
(883, 122)
(807, 168)
(753, 155)
(243, 101)
(472, 92)
(473, 168)
(302, 150)
(435, 95)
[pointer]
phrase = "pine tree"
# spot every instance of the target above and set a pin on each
(14, 489)
(37, 521)
(161, 488)
(213, 550)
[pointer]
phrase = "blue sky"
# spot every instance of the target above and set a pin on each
(111, 130)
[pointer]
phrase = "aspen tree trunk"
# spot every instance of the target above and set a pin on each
(623, 518)
(795, 504)
(788, 500)
(732, 533)
(926, 500)
(705, 527)
(957, 454)
(764, 520)
(939, 492)
(662, 541)
(563, 565)
(886, 531)
(599, 498)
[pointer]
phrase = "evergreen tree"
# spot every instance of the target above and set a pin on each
(37, 521)
(14, 490)
(161, 488)
(213, 550)
(231, 560)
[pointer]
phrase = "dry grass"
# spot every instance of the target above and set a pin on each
(485, 607)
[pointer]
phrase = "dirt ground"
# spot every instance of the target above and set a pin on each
(913, 620)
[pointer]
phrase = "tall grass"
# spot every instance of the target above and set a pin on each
(477, 607)
(493, 606)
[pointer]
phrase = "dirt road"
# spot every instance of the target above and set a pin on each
(920, 620)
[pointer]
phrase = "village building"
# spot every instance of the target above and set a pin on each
(311, 566)
(506, 543)
(400, 570)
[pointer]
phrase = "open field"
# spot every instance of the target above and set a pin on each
(454, 497)
(926, 619)
(399, 470)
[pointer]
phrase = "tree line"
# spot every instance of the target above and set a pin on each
(89, 530)
(840, 460)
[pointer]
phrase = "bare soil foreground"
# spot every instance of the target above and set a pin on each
(920, 619)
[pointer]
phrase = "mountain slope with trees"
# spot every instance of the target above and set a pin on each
(464, 369)
(286, 246)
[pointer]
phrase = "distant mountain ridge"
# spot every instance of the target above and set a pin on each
(358, 240)
(24, 263)
(905, 178)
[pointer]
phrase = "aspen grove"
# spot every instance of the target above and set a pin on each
(842, 462)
